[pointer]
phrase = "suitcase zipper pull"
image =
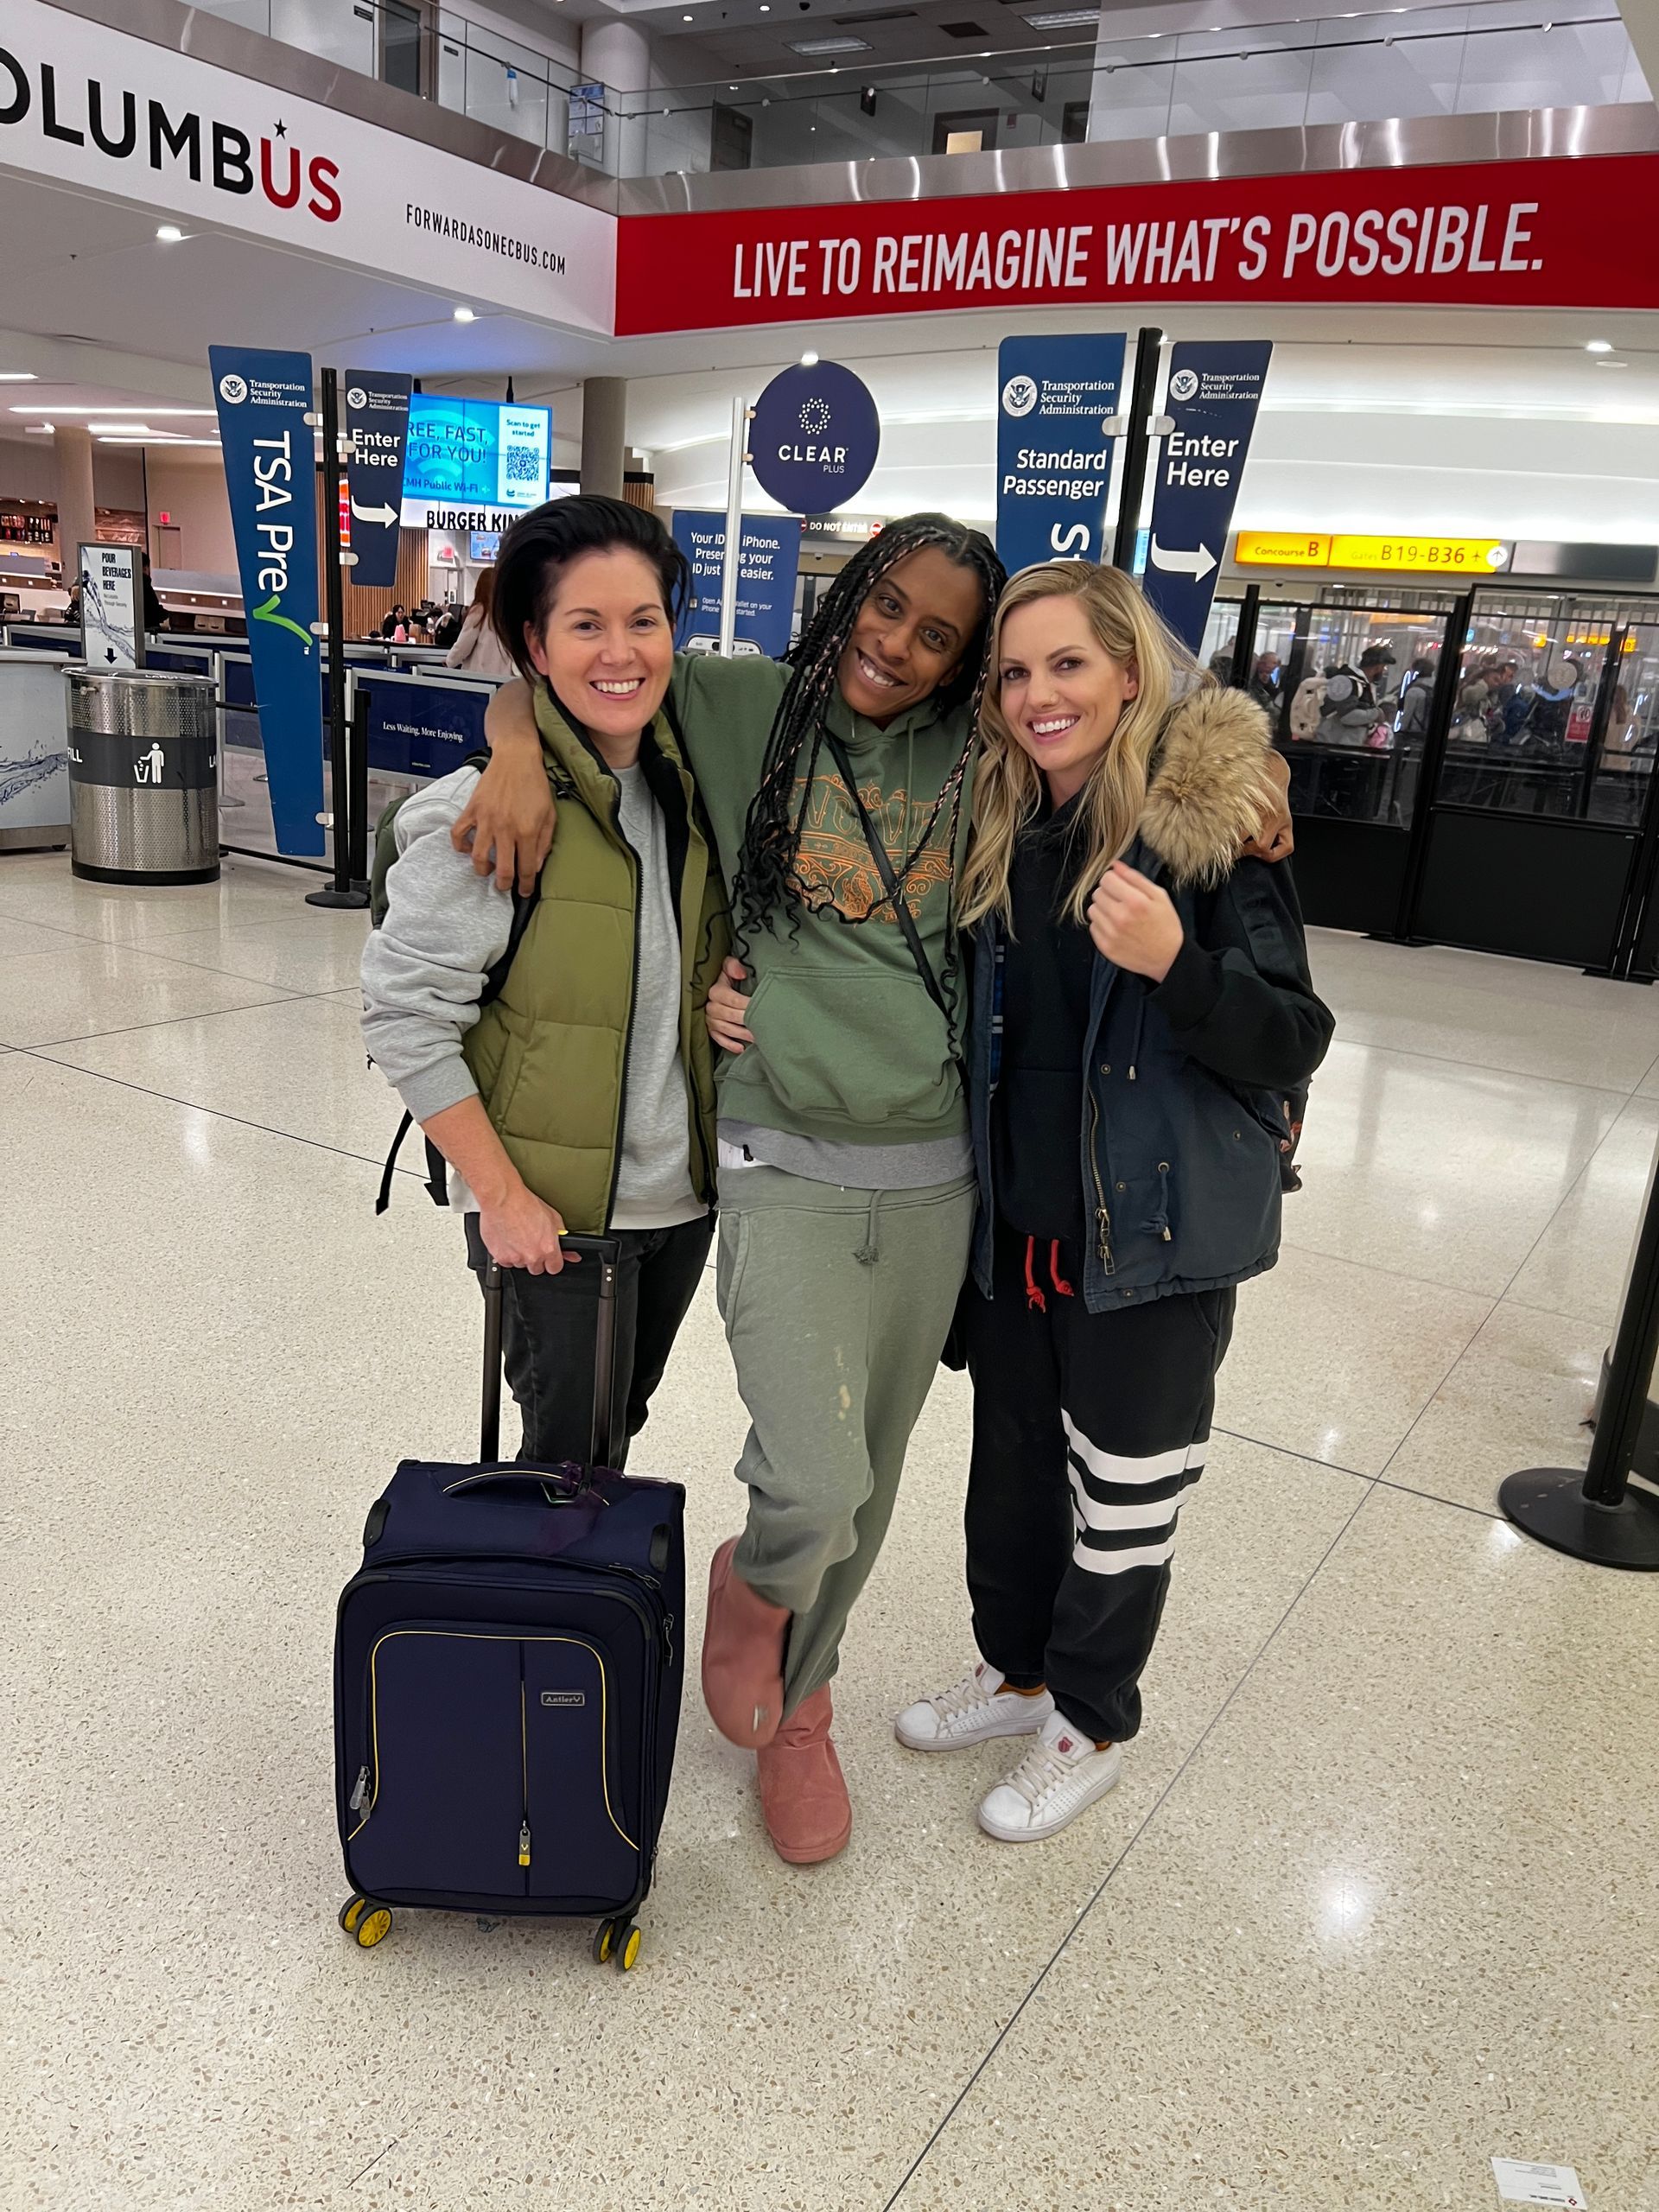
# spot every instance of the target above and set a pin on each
(360, 1794)
(524, 1845)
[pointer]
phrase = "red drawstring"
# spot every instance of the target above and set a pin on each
(1035, 1302)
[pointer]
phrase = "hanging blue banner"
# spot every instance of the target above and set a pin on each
(1215, 388)
(814, 438)
(1056, 420)
(769, 560)
(377, 424)
(270, 474)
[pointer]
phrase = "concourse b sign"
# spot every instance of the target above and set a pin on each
(1215, 389)
(1057, 417)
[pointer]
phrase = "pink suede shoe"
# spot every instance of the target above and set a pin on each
(742, 1656)
(803, 1798)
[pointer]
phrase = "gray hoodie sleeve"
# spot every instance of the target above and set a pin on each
(424, 969)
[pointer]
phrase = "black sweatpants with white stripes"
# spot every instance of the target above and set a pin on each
(1087, 1429)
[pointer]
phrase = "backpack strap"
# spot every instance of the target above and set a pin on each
(437, 1169)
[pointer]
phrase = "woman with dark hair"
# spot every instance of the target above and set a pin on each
(580, 1099)
(477, 647)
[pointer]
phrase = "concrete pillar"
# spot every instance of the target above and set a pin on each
(617, 54)
(604, 406)
(77, 508)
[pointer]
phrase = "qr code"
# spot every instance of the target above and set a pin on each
(523, 465)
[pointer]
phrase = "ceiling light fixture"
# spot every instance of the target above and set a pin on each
(104, 413)
(465, 314)
(40, 429)
(17, 376)
(169, 234)
(1599, 346)
(1613, 365)
(808, 361)
(829, 45)
(1063, 19)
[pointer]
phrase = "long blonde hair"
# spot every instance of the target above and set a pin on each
(1009, 785)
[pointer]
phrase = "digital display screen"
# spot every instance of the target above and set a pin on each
(477, 453)
(483, 544)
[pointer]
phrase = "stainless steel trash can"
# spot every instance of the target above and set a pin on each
(143, 776)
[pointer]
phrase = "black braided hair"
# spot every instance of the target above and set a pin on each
(768, 884)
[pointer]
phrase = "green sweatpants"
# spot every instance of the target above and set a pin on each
(836, 1304)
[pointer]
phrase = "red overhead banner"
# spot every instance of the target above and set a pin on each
(1538, 233)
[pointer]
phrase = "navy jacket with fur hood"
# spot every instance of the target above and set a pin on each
(1185, 1082)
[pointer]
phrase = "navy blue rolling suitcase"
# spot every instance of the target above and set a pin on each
(507, 1670)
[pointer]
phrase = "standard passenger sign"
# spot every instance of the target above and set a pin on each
(1056, 420)
(1215, 389)
(1529, 233)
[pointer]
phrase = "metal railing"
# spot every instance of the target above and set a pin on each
(1400, 61)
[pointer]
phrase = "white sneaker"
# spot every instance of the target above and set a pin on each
(977, 1709)
(1059, 1776)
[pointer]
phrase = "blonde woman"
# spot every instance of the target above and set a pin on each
(1140, 1009)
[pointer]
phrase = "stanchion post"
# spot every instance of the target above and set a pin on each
(1596, 1516)
(1447, 679)
(359, 786)
(1136, 436)
(341, 892)
(1249, 618)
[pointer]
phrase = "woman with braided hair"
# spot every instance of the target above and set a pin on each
(846, 1172)
(837, 790)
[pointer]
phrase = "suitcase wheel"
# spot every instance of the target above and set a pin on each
(374, 1927)
(604, 1935)
(369, 1924)
(628, 1950)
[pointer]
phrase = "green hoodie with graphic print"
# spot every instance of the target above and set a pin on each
(849, 1048)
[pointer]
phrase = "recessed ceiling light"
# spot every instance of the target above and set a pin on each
(1599, 346)
(829, 45)
(104, 413)
(169, 234)
(40, 429)
(1063, 19)
(465, 314)
(808, 361)
(17, 376)
(1613, 365)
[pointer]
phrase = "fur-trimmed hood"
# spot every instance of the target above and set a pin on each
(1210, 788)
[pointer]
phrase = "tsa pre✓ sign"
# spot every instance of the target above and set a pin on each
(1056, 420)
(270, 474)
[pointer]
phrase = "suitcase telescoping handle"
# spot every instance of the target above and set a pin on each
(598, 1255)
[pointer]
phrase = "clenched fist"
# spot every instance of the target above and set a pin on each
(1134, 923)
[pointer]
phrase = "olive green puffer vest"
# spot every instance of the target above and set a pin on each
(549, 1055)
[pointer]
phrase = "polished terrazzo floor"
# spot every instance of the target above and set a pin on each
(1375, 1903)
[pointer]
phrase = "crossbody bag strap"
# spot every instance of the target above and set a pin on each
(902, 914)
